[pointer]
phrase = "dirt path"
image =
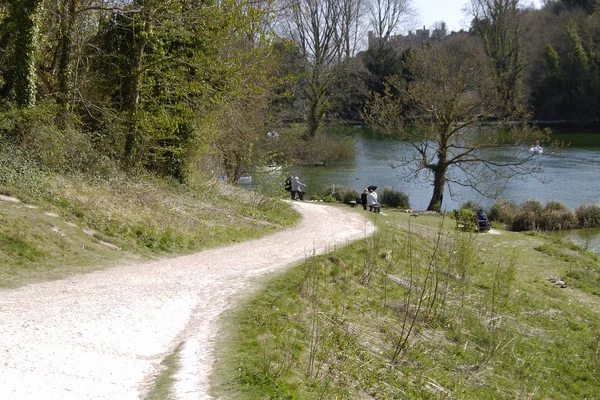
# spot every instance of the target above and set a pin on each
(103, 335)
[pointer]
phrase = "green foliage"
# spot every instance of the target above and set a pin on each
(330, 199)
(340, 194)
(394, 198)
(24, 20)
(466, 220)
(382, 62)
(568, 86)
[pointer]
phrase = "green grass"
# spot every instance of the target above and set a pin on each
(480, 321)
(164, 381)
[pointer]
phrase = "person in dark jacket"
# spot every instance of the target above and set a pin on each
(288, 186)
(363, 198)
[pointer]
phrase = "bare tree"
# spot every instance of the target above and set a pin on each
(387, 16)
(313, 26)
(451, 100)
(350, 29)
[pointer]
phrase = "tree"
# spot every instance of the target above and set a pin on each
(387, 16)
(24, 23)
(350, 27)
(453, 120)
(497, 22)
(313, 26)
(381, 62)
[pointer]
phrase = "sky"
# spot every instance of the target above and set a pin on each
(450, 11)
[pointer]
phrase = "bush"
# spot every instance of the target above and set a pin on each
(349, 195)
(316, 197)
(588, 215)
(557, 216)
(528, 218)
(465, 220)
(394, 198)
(504, 212)
(341, 194)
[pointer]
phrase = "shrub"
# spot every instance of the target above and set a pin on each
(316, 197)
(504, 212)
(465, 220)
(394, 198)
(528, 218)
(588, 215)
(341, 194)
(556, 216)
(349, 195)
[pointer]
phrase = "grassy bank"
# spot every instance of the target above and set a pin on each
(53, 225)
(421, 312)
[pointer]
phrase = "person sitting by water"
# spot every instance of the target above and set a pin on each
(372, 202)
(483, 221)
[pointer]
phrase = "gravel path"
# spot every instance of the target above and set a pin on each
(103, 335)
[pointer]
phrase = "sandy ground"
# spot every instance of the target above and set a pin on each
(103, 335)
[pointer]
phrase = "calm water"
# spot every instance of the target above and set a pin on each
(570, 176)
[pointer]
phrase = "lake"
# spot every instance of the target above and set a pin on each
(570, 176)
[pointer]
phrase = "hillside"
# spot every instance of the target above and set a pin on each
(55, 225)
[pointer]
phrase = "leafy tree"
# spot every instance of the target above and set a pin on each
(451, 96)
(381, 62)
(567, 84)
(21, 26)
(349, 91)
(174, 65)
(497, 22)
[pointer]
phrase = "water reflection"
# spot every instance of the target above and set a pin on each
(587, 239)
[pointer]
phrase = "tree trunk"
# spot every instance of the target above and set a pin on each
(64, 65)
(26, 21)
(315, 106)
(439, 178)
(132, 141)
